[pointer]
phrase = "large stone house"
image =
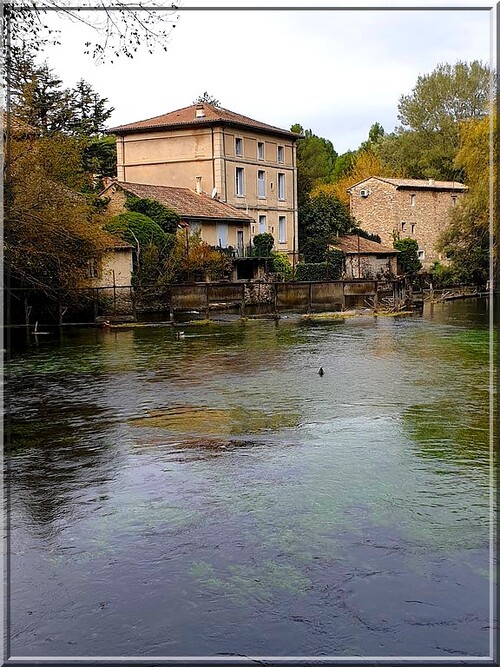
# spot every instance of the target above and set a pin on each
(412, 208)
(235, 159)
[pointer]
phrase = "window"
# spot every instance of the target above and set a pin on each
(282, 229)
(240, 182)
(281, 154)
(238, 146)
(281, 186)
(221, 230)
(403, 225)
(262, 224)
(421, 254)
(93, 268)
(412, 200)
(413, 229)
(261, 184)
(260, 150)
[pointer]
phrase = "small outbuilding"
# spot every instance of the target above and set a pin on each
(366, 259)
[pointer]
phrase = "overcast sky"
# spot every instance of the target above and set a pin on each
(335, 72)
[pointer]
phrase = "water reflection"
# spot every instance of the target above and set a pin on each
(216, 495)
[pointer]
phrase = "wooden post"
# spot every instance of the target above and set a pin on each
(27, 311)
(309, 298)
(114, 293)
(276, 287)
(343, 294)
(95, 293)
(207, 306)
(375, 298)
(242, 305)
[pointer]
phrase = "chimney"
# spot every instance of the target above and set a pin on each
(431, 181)
(200, 111)
(198, 185)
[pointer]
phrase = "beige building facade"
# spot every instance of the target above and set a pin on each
(235, 159)
(416, 209)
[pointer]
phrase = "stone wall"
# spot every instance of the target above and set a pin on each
(420, 214)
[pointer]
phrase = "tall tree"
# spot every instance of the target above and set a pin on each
(51, 232)
(466, 241)
(365, 164)
(427, 142)
(321, 217)
(315, 161)
(89, 111)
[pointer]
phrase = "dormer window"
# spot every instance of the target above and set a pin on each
(200, 111)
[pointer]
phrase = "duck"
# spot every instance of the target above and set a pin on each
(180, 335)
(321, 372)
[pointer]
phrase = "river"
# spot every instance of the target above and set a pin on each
(213, 495)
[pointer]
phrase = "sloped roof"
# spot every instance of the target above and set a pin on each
(212, 116)
(349, 245)
(416, 183)
(188, 204)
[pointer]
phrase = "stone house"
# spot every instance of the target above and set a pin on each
(412, 208)
(366, 259)
(242, 162)
(114, 267)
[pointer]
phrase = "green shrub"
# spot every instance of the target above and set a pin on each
(335, 262)
(318, 271)
(281, 266)
(263, 244)
(442, 276)
(161, 214)
(136, 227)
(408, 256)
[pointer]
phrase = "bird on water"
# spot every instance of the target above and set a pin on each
(321, 371)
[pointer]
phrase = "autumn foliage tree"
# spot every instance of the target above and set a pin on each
(51, 232)
(466, 241)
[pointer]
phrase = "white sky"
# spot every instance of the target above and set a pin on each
(334, 72)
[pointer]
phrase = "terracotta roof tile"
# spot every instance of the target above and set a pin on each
(186, 203)
(349, 245)
(187, 116)
(429, 184)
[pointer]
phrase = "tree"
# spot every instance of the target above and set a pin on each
(427, 142)
(120, 29)
(365, 164)
(321, 218)
(446, 96)
(51, 232)
(466, 241)
(38, 98)
(408, 255)
(375, 135)
(316, 158)
(206, 98)
(89, 111)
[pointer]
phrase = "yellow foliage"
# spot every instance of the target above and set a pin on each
(366, 164)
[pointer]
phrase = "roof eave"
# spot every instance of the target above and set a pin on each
(207, 122)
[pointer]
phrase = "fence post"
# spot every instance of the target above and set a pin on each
(242, 305)
(343, 294)
(27, 311)
(207, 306)
(375, 298)
(95, 294)
(309, 297)
(276, 286)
